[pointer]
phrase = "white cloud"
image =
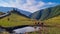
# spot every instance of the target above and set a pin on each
(50, 3)
(29, 5)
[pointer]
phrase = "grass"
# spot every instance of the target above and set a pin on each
(53, 22)
(16, 20)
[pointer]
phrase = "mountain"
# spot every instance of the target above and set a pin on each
(14, 11)
(7, 9)
(24, 12)
(46, 13)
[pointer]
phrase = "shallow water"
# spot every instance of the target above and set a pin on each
(26, 29)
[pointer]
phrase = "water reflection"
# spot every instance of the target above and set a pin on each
(26, 29)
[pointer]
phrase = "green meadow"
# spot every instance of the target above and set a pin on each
(15, 20)
(53, 22)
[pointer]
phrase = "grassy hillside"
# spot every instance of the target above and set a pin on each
(46, 13)
(15, 20)
(53, 22)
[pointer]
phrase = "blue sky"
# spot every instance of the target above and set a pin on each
(29, 5)
(56, 1)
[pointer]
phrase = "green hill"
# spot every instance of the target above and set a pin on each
(53, 21)
(14, 20)
(46, 13)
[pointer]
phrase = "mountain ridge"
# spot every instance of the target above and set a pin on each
(7, 9)
(46, 13)
(10, 13)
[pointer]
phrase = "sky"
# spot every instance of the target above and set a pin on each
(29, 5)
